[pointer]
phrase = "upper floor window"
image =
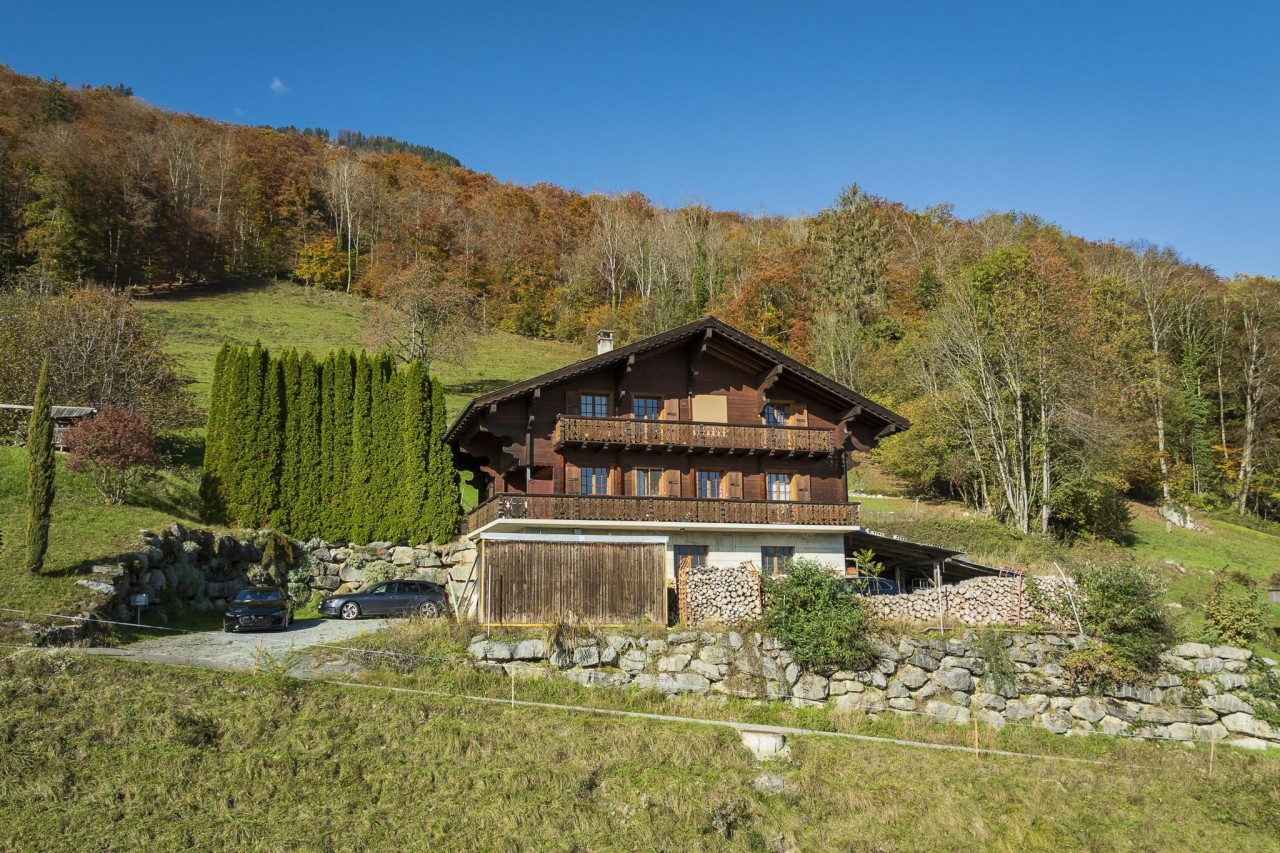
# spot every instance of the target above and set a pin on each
(778, 487)
(595, 405)
(646, 408)
(709, 483)
(648, 482)
(595, 481)
(777, 414)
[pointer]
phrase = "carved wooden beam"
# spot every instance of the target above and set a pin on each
(697, 347)
(888, 430)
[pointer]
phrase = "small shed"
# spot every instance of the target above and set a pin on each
(64, 418)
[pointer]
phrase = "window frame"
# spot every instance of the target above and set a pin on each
(657, 486)
(602, 395)
(585, 479)
(784, 405)
(719, 481)
(696, 553)
(658, 407)
(789, 476)
(772, 557)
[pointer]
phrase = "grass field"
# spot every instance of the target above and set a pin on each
(283, 315)
(163, 758)
(84, 530)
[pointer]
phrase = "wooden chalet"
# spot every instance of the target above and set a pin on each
(718, 446)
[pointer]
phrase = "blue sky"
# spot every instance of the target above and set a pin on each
(1127, 121)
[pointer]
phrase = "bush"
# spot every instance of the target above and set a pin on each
(1088, 505)
(117, 447)
(818, 616)
(1099, 665)
(1122, 608)
(1235, 613)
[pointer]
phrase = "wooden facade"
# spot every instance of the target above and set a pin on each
(698, 423)
(599, 583)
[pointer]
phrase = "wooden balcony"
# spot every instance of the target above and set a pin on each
(679, 510)
(732, 439)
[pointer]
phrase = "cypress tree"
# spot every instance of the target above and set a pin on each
(211, 497)
(444, 504)
(359, 483)
(414, 445)
(290, 462)
(304, 514)
(343, 392)
(255, 479)
(41, 470)
(238, 417)
(326, 476)
(386, 516)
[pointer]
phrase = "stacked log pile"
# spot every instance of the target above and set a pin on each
(979, 601)
(719, 595)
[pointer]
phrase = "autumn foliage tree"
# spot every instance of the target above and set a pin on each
(116, 447)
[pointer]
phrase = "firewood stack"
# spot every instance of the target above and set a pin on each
(719, 595)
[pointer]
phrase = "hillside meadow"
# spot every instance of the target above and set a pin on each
(168, 758)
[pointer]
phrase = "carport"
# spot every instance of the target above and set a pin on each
(914, 565)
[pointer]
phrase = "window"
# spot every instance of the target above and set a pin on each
(709, 484)
(595, 481)
(595, 405)
(646, 408)
(695, 554)
(776, 414)
(779, 487)
(648, 482)
(774, 558)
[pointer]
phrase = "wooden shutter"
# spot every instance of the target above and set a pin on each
(671, 409)
(801, 484)
(573, 403)
(799, 415)
(734, 479)
(572, 479)
(671, 483)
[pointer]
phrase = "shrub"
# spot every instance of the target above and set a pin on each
(1235, 613)
(1099, 665)
(995, 653)
(1122, 608)
(1089, 505)
(818, 616)
(116, 446)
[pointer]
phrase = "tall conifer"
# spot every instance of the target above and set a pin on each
(444, 504)
(414, 447)
(304, 515)
(360, 480)
(344, 368)
(211, 488)
(41, 470)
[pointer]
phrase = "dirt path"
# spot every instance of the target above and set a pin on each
(220, 650)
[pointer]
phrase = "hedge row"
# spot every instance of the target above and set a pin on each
(348, 449)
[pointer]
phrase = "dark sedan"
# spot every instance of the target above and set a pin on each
(258, 607)
(389, 598)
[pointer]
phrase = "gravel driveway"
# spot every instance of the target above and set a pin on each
(220, 650)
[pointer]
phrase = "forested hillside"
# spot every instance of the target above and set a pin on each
(1047, 376)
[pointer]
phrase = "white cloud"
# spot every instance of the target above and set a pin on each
(278, 86)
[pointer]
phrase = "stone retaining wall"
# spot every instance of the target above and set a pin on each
(1201, 694)
(978, 601)
(201, 569)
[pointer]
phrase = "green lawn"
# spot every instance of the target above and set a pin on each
(284, 314)
(84, 530)
(106, 755)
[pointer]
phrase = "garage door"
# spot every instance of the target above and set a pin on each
(528, 582)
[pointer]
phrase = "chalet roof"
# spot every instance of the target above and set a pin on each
(720, 330)
(59, 412)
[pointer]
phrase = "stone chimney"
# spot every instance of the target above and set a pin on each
(604, 341)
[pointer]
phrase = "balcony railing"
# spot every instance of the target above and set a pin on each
(693, 435)
(630, 508)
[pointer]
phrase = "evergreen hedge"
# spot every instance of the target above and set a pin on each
(348, 449)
